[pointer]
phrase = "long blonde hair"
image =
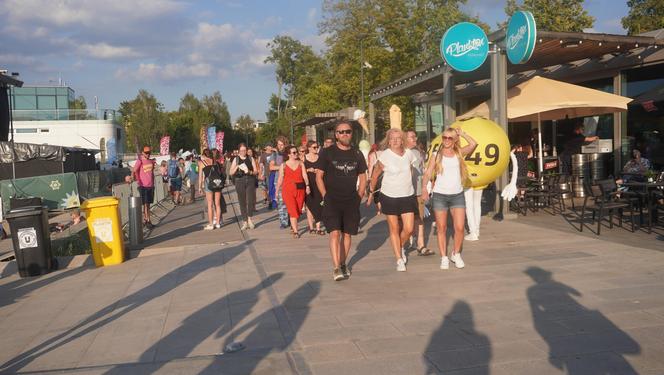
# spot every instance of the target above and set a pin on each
(438, 168)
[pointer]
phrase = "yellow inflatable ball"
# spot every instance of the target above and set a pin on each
(492, 154)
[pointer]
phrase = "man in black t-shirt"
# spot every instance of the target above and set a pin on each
(339, 167)
(573, 147)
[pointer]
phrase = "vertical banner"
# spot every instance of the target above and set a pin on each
(203, 138)
(220, 142)
(212, 137)
(164, 145)
(111, 151)
(303, 140)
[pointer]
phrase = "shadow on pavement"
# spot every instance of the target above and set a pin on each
(457, 332)
(603, 343)
(15, 290)
(375, 238)
(202, 324)
(113, 311)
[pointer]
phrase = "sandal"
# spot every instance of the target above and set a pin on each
(321, 232)
(295, 234)
(313, 231)
(424, 251)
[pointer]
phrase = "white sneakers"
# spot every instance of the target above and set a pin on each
(244, 226)
(217, 226)
(250, 223)
(209, 227)
(404, 256)
(472, 236)
(401, 265)
(455, 258)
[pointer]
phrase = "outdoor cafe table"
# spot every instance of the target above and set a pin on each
(648, 189)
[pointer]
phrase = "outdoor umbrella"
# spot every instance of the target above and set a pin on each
(541, 98)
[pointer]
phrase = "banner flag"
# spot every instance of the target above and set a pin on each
(212, 137)
(164, 145)
(203, 138)
(220, 142)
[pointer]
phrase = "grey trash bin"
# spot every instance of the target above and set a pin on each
(31, 239)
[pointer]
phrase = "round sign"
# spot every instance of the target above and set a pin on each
(520, 37)
(464, 47)
(492, 154)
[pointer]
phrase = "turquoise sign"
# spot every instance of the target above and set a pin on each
(464, 47)
(521, 37)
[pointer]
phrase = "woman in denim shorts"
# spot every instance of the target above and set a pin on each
(449, 170)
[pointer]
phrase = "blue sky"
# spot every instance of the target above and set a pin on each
(111, 49)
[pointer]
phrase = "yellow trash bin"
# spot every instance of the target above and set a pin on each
(103, 218)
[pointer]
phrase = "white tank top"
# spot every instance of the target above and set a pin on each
(449, 182)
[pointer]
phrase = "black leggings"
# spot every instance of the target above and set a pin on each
(245, 187)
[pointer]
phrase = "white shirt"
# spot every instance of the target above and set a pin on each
(449, 182)
(397, 177)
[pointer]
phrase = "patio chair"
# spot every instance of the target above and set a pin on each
(542, 195)
(602, 204)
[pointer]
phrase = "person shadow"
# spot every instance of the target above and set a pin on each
(600, 351)
(375, 238)
(269, 332)
(457, 331)
(200, 325)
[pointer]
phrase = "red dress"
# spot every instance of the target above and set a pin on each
(293, 197)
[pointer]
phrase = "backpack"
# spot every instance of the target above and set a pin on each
(216, 179)
(173, 169)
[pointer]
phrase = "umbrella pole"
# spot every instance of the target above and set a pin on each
(540, 153)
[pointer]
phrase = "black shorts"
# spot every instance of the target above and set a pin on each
(398, 206)
(343, 215)
(147, 194)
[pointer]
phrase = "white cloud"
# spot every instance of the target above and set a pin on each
(312, 16)
(106, 51)
(210, 34)
(168, 72)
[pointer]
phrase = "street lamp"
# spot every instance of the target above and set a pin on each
(292, 137)
(364, 65)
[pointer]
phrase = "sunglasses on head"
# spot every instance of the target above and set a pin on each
(346, 131)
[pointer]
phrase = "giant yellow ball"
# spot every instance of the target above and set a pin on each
(492, 154)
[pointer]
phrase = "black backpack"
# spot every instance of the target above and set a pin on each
(216, 179)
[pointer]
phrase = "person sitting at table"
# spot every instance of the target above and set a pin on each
(636, 168)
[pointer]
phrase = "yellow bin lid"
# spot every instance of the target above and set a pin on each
(100, 202)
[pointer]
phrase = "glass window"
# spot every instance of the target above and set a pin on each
(25, 102)
(63, 102)
(62, 91)
(45, 90)
(436, 119)
(45, 102)
(24, 91)
(26, 130)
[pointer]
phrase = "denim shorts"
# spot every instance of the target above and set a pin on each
(443, 202)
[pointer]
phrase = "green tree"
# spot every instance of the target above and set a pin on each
(245, 126)
(644, 15)
(144, 120)
(555, 15)
(78, 103)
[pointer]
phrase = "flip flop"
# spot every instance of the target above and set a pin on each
(424, 251)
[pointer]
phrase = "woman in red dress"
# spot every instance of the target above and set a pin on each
(293, 179)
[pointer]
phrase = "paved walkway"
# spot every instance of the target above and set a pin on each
(533, 298)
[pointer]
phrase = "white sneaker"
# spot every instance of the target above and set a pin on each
(217, 226)
(251, 224)
(444, 263)
(244, 226)
(472, 236)
(214, 221)
(209, 227)
(401, 265)
(458, 262)
(404, 256)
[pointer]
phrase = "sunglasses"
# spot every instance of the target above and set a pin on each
(347, 131)
(293, 152)
(314, 147)
(448, 138)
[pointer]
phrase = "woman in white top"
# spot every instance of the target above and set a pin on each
(397, 196)
(451, 175)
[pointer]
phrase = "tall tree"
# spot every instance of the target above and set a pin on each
(245, 126)
(555, 15)
(144, 120)
(78, 103)
(644, 15)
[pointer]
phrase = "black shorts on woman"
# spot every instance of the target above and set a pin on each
(398, 206)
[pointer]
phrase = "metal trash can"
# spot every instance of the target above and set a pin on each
(32, 240)
(135, 221)
(106, 239)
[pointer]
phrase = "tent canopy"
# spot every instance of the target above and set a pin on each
(553, 100)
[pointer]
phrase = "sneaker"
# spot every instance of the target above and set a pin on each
(345, 271)
(404, 256)
(337, 275)
(251, 224)
(217, 226)
(401, 265)
(209, 227)
(244, 226)
(458, 262)
(284, 226)
(444, 263)
(214, 221)
(472, 236)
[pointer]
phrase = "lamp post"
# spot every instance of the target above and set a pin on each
(363, 65)
(292, 136)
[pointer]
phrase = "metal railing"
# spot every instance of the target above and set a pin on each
(65, 114)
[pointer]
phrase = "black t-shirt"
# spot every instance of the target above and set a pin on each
(341, 167)
(573, 145)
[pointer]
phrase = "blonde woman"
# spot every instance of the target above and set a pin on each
(397, 195)
(450, 173)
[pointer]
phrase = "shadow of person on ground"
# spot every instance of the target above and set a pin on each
(113, 311)
(599, 351)
(457, 332)
(375, 238)
(212, 319)
(13, 291)
(263, 339)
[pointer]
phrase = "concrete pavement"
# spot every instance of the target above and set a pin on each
(535, 297)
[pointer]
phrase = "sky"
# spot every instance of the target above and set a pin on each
(111, 49)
